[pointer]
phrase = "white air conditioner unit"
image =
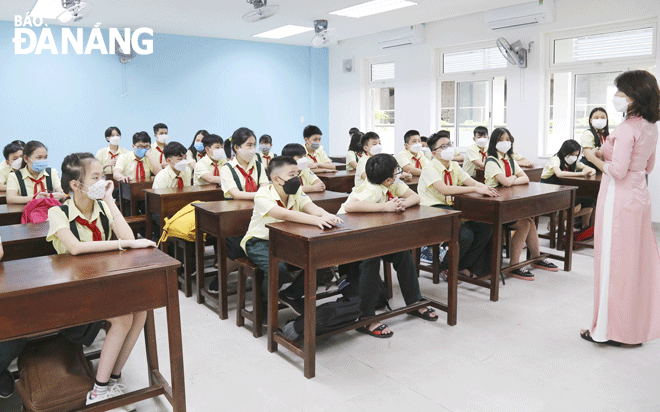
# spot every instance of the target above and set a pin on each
(537, 12)
(402, 37)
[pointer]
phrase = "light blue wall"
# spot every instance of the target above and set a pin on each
(189, 83)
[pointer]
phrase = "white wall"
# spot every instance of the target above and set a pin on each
(416, 69)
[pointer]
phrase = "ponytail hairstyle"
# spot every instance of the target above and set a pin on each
(606, 130)
(355, 145)
(495, 137)
(29, 148)
(240, 136)
(567, 148)
(204, 133)
(74, 168)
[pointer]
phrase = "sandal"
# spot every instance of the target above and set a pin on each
(444, 274)
(586, 335)
(426, 315)
(377, 332)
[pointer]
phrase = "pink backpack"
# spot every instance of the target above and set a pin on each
(36, 211)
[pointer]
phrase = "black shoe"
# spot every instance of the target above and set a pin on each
(522, 273)
(297, 305)
(6, 384)
(214, 286)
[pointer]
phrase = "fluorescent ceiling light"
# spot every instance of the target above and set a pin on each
(373, 7)
(284, 31)
(47, 9)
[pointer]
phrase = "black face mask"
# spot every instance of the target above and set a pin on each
(292, 185)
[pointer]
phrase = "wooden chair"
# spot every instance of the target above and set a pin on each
(247, 269)
(137, 223)
(563, 225)
(552, 234)
(184, 252)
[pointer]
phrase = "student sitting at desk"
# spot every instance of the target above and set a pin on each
(383, 192)
(282, 200)
(84, 224)
(477, 152)
(310, 182)
(458, 157)
(265, 155)
(208, 168)
(196, 151)
(319, 161)
(177, 173)
(355, 151)
(35, 179)
(439, 181)
(412, 160)
(156, 157)
(243, 175)
(13, 153)
(108, 155)
(135, 166)
(502, 170)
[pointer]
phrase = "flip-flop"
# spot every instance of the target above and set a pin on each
(586, 335)
(377, 333)
(426, 315)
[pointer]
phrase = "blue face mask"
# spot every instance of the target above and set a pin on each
(39, 165)
(199, 146)
(140, 152)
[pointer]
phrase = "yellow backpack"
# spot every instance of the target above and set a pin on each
(181, 225)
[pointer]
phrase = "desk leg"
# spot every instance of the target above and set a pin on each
(148, 226)
(273, 299)
(174, 338)
(454, 253)
(309, 344)
(150, 344)
(496, 259)
(223, 310)
(134, 207)
(436, 264)
(199, 251)
(568, 246)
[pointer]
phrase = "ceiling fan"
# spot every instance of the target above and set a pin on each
(261, 11)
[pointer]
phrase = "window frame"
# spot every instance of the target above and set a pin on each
(370, 120)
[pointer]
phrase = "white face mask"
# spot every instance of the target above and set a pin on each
(114, 140)
(162, 138)
(570, 159)
(246, 154)
(448, 153)
(182, 165)
(376, 149)
(620, 104)
(416, 148)
(97, 190)
(482, 142)
(504, 146)
(599, 124)
(427, 152)
(218, 154)
(264, 148)
(302, 163)
(16, 164)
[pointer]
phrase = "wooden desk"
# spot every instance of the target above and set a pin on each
(341, 181)
(339, 166)
(227, 219)
(130, 194)
(166, 202)
(586, 186)
(361, 236)
(534, 174)
(338, 159)
(515, 203)
(3, 198)
(70, 290)
(25, 241)
(11, 214)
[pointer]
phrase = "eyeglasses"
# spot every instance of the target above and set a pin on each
(398, 171)
(444, 146)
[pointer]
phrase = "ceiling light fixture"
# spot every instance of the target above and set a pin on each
(373, 7)
(282, 32)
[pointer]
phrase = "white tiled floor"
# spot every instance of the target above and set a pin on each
(522, 353)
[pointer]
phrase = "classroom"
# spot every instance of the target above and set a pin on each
(244, 205)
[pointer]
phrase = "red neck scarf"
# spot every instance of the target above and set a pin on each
(179, 182)
(312, 157)
(507, 167)
(96, 232)
(448, 182)
(418, 162)
(390, 196)
(112, 156)
(38, 183)
(139, 171)
(250, 184)
(484, 155)
(216, 172)
(267, 159)
(280, 204)
(161, 153)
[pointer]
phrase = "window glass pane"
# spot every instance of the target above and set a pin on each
(382, 72)
(382, 99)
(473, 60)
(499, 102)
(629, 43)
(591, 91)
(447, 102)
(473, 109)
(559, 124)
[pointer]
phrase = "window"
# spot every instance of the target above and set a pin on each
(381, 103)
(473, 60)
(581, 77)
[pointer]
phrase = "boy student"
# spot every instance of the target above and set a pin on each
(310, 182)
(439, 181)
(161, 136)
(370, 146)
(177, 173)
(207, 170)
(382, 192)
(319, 161)
(135, 166)
(425, 147)
(13, 153)
(457, 157)
(109, 154)
(412, 160)
(477, 153)
(282, 200)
